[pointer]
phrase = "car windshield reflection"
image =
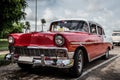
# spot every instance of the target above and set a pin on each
(69, 26)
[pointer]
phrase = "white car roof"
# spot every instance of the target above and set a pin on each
(70, 19)
(78, 20)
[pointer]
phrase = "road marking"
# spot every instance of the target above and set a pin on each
(89, 70)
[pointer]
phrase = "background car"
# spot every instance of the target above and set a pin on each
(116, 37)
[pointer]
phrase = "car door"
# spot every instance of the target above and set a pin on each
(93, 47)
(101, 47)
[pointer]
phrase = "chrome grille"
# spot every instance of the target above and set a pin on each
(24, 51)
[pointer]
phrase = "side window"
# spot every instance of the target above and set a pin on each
(82, 26)
(103, 32)
(85, 27)
(99, 30)
(93, 29)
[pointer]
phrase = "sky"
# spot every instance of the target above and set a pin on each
(104, 12)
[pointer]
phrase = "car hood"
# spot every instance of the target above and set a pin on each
(33, 39)
(45, 38)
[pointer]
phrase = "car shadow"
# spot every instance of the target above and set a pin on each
(49, 72)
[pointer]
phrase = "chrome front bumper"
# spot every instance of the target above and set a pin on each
(59, 63)
(43, 59)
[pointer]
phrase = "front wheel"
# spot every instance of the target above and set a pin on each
(77, 68)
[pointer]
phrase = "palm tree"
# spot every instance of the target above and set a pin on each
(27, 26)
(43, 21)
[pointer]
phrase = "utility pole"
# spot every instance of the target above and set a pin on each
(36, 15)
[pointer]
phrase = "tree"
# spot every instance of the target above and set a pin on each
(16, 28)
(43, 21)
(27, 26)
(11, 11)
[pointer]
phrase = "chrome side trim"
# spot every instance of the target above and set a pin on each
(42, 47)
(75, 43)
(96, 57)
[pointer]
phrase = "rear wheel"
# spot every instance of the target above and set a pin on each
(25, 66)
(77, 68)
(106, 56)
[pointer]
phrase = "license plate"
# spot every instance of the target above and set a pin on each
(26, 59)
(49, 62)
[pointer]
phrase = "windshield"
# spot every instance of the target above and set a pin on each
(116, 34)
(70, 26)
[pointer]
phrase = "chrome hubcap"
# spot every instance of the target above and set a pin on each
(80, 62)
(107, 54)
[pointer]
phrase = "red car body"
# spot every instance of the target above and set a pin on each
(64, 45)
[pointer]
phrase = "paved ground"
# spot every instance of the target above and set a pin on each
(3, 52)
(109, 71)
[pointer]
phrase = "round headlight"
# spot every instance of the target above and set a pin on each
(10, 39)
(59, 40)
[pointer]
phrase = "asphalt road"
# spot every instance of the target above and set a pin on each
(107, 71)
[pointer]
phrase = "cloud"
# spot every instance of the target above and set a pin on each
(29, 15)
(101, 11)
(48, 14)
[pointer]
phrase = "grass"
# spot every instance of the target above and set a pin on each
(2, 57)
(3, 44)
(2, 61)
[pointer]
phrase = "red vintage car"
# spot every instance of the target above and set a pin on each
(68, 44)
